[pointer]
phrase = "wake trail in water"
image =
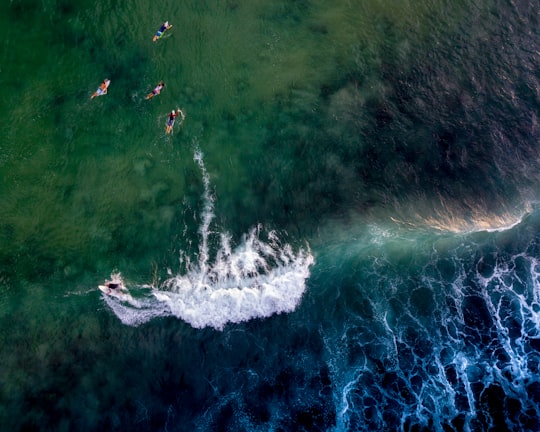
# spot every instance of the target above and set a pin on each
(256, 279)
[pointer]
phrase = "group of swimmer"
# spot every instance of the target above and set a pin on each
(103, 87)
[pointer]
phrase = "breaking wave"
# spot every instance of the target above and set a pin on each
(256, 279)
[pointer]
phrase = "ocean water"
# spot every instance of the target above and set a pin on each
(342, 235)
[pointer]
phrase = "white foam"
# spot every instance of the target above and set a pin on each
(256, 279)
(240, 286)
(137, 312)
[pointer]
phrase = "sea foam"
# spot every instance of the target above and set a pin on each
(255, 279)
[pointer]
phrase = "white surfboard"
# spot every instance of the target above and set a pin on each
(120, 292)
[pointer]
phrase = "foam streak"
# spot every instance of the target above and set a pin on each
(256, 279)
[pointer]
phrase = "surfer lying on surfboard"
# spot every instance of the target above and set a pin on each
(172, 118)
(102, 89)
(165, 26)
(156, 91)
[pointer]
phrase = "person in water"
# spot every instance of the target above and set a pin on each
(172, 118)
(165, 26)
(102, 89)
(156, 91)
(112, 285)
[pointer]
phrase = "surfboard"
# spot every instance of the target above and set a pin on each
(120, 292)
(160, 35)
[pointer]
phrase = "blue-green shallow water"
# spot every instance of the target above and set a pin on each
(342, 235)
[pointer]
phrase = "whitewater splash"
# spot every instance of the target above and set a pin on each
(256, 279)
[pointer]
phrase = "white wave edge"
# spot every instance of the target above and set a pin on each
(255, 280)
(205, 305)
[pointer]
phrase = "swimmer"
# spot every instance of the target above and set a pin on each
(172, 118)
(156, 91)
(165, 26)
(102, 90)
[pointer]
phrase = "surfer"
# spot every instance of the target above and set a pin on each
(112, 285)
(116, 288)
(102, 89)
(165, 26)
(156, 91)
(172, 118)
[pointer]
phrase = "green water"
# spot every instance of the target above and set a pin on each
(361, 128)
(82, 177)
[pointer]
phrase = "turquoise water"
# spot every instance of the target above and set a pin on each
(341, 235)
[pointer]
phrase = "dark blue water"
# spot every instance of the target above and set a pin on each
(342, 235)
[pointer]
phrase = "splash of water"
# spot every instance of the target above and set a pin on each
(256, 279)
